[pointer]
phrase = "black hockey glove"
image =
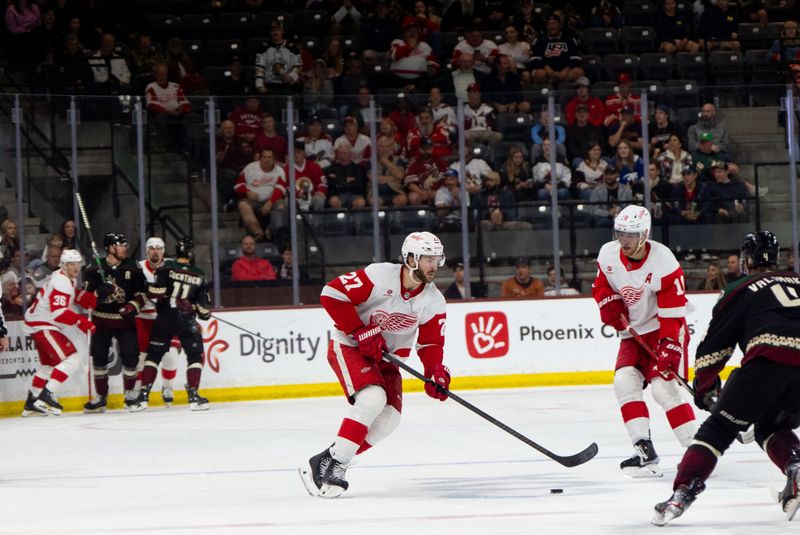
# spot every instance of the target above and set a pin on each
(706, 398)
(104, 290)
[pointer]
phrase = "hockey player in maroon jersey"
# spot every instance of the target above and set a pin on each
(641, 280)
(382, 307)
(761, 314)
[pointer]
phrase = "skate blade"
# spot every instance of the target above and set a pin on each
(662, 519)
(658, 519)
(198, 406)
(27, 413)
(45, 407)
(94, 411)
(643, 472)
(137, 408)
(308, 481)
(791, 507)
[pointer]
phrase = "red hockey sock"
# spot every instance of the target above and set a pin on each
(782, 447)
(149, 374)
(698, 462)
(101, 385)
(193, 376)
(364, 447)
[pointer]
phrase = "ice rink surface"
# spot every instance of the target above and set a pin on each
(233, 469)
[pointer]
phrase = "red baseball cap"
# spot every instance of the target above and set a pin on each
(624, 78)
(473, 87)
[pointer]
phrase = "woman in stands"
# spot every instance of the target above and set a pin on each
(591, 168)
(672, 160)
(516, 175)
(714, 280)
(630, 166)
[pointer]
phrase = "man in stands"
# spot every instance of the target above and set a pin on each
(708, 122)
(479, 118)
(522, 285)
(233, 154)
(556, 55)
(718, 28)
(358, 144)
(310, 182)
(319, 145)
(278, 64)
(250, 267)
(484, 51)
(167, 105)
(347, 181)
(268, 138)
(247, 119)
(412, 58)
(595, 106)
(110, 70)
(424, 175)
(435, 132)
(260, 188)
(621, 98)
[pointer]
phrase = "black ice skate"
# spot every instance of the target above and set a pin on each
(139, 403)
(324, 476)
(643, 463)
(30, 409)
(679, 502)
(47, 402)
(196, 401)
(166, 395)
(789, 497)
(96, 405)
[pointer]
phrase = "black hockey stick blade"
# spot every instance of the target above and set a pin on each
(568, 461)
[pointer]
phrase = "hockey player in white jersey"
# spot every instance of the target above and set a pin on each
(154, 248)
(382, 307)
(59, 333)
(641, 280)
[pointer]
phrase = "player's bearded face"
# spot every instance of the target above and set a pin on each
(427, 268)
(120, 250)
(155, 255)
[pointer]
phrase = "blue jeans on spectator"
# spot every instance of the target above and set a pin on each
(544, 195)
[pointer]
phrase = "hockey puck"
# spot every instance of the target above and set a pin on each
(556, 491)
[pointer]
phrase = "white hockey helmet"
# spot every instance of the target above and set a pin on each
(422, 244)
(154, 243)
(69, 256)
(633, 220)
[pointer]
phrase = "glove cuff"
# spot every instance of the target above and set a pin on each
(366, 332)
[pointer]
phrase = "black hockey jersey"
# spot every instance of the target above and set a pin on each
(129, 287)
(760, 314)
(181, 287)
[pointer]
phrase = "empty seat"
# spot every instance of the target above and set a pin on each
(311, 23)
(690, 65)
(593, 68)
(220, 51)
(656, 66)
(601, 41)
(638, 39)
(163, 27)
(681, 93)
(199, 26)
(412, 220)
(617, 63)
(237, 25)
(727, 67)
(514, 126)
(639, 13)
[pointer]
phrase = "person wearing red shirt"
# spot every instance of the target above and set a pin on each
(250, 267)
(436, 132)
(311, 185)
(247, 119)
(597, 110)
(268, 138)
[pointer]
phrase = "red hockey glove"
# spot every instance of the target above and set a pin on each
(669, 357)
(86, 299)
(85, 325)
(370, 342)
(440, 380)
(127, 310)
(611, 308)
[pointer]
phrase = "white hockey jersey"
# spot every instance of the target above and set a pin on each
(55, 299)
(652, 288)
(375, 296)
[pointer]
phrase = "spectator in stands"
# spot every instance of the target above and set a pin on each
(496, 206)
(673, 159)
(582, 134)
(464, 76)
(660, 189)
(387, 129)
(621, 98)
(519, 51)
(556, 55)
(714, 279)
(51, 263)
(22, 18)
(391, 172)
(319, 145)
(725, 200)
(347, 85)
(479, 118)
(685, 197)
(312, 189)
(628, 163)
(413, 60)
(269, 138)
(346, 18)
(333, 57)
(144, 59)
(788, 45)
(590, 170)
(233, 154)
(347, 181)
(8, 240)
(111, 73)
(403, 115)
(11, 302)
(358, 144)
(436, 133)
(424, 175)
(260, 188)
(606, 15)
(542, 177)
(247, 119)
(457, 289)
(378, 31)
(443, 113)
(317, 88)
(250, 267)
(711, 123)
(428, 25)
(74, 72)
(477, 169)
(182, 69)
(448, 197)
(608, 198)
(360, 110)
(522, 285)
(733, 269)
(550, 287)
(285, 270)
(47, 38)
(718, 28)
(540, 132)
(672, 30)
(516, 175)
(661, 129)
(13, 271)
(595, 106)
(484, 51)
(705, 155)
(278, 64)
(68, 232)
(789, 266)
(627, 129)
(504, 88)
(167, 106)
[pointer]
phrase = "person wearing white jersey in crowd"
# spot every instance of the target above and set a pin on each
(59, 333)
(640, 279)
(381, 308)
(144, 322)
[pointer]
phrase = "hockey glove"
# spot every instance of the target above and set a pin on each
(706, 397)
(370, 342)
(205, 316)
(669, 357)
(127, 310)
(86, 299)
(184, 306)
(440, 380)
(85, 325)
(104, 290)
(611, 308)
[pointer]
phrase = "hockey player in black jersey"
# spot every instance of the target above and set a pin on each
(181, 295)
(114, 318)
(761, 314)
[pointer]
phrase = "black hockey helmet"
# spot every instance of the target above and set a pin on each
(114, 238)
(759, 249)
(184, 248)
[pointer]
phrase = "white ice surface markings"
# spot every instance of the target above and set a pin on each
(233, 470)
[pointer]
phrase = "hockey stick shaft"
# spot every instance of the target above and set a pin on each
(226, 322)
(88, 227)
(569, 461)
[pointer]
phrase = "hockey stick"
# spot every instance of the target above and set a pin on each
(568, 461)
(251, 333)
(88, 228)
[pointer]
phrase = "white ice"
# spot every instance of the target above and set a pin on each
(233, 469)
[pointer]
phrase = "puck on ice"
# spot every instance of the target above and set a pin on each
(556, 491)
